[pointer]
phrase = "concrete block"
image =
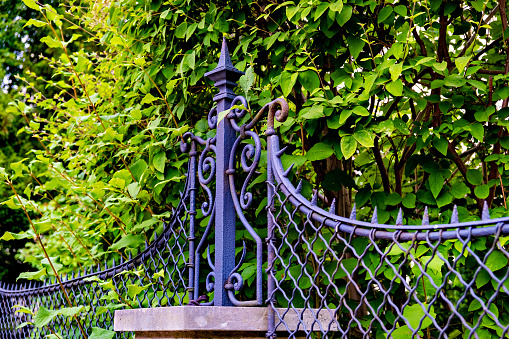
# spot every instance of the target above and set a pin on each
(215, 321)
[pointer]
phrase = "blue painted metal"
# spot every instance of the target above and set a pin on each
(224, 77)
(340, 277)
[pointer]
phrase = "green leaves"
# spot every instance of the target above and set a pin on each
(36, 23)
(395, 88)
(461, 63)
(147, 99)
(441, 145)
(496, 261)
(32, 4)
(355, 45)
(247, 80)
(474, 176)
(365, 138)
(319, 151)
(313, 112)
(348, 146)
(16, 236)
(189, 60)
(99, 333)
(415, 313)
(395, 70)
(309, 80)
(436, 182)
(287, 82)
(320, 9)
(337, 6)
(130, 240)
(33, 275)
(482, 191)
(159, 161)
(51, 42)
(454, 80)
(344, 16)
(384, 13)
(44, 316)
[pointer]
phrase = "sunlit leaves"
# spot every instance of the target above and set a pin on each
(461, 63)
(365, 138)
(348, 146)
(247, 80)
(287, 81)
(132, 241)
(32, 4)
(395, 87)
(44, 316)
(99, 333)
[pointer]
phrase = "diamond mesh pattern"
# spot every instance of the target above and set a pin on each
(167, 256)
(345, 280)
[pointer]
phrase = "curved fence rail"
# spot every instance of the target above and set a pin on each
(339, 277)
(155, 277)
(371, 280)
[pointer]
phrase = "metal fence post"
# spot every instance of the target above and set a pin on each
(224, 77)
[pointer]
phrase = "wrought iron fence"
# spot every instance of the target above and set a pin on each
(338, 276)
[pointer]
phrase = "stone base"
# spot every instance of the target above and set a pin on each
(213, 322)
(200, 334)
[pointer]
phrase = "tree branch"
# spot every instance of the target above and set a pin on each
(463, 170)
(381, 166)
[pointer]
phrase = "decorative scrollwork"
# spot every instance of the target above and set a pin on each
(239, 101)
(249, 152)
(212, 118)
(209, 283)
(207, 164)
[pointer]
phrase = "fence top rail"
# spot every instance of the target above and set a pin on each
(90, 275)
(453, 230)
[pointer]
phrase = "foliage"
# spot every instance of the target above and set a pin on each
(404, 102)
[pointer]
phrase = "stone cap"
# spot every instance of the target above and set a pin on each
(219, 318)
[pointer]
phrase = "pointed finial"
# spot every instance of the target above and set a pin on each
(314, 200)
(146, 245)
(287, 172)
(454, 217)
(353, 214)
(425, 217)
(298, 189)
(374, 218)
(485, 211)
(105, 264)
(399, 219)
(130, 256)
(280, 153)
(113, 263)
(333, 206)
(224, 75)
